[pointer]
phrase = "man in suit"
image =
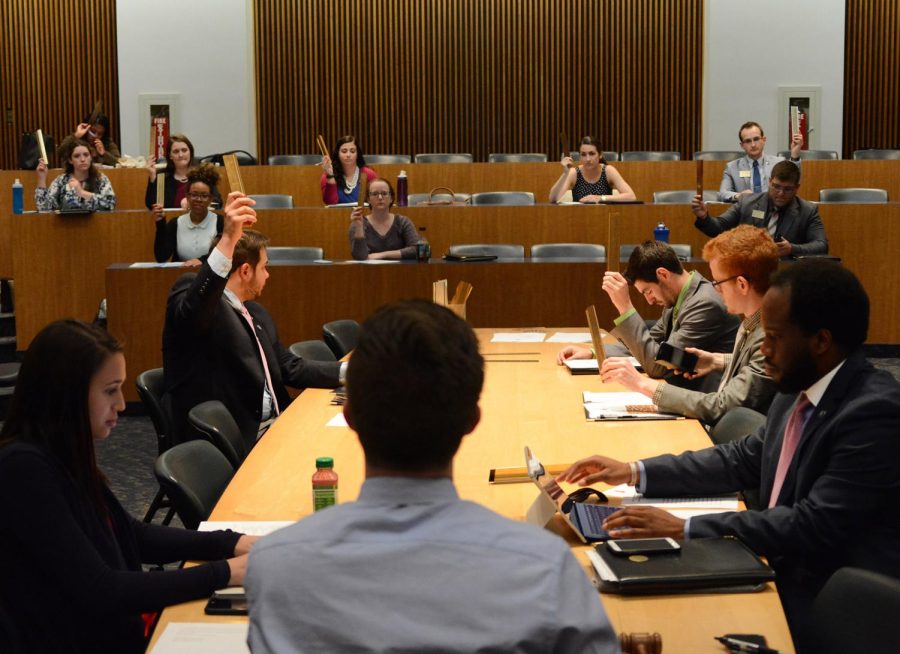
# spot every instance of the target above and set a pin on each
(694, 315)
(827, 462)
(750, 173)
(741, 261)
(218, 344)
(793, 223)
(409, 566)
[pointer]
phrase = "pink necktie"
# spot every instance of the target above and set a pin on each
(262, 355)
(792, 434)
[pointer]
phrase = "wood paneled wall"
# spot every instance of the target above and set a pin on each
(57, 59)
(872, 75)
(479, 76)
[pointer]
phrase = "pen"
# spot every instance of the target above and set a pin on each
(736, 645)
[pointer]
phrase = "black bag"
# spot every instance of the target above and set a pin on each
(30, 152)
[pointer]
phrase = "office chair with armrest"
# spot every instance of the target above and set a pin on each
(194, 475)
(517, 157)
(291, 253)
(854, 195)
(150, 389)
(273, 201)
(550, 251)
(718, 155)
(341, 336)
(733, 426)
(312, 351)
(243, 157)
(506, 198)
(295, 159)
(682, 197)
(499, 250)
(650, 155)
(444, 157)
(376, 159)
(213, 422)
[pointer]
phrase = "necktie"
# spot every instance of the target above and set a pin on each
(757, 180)
(262, 355)
(792, 433)
(773, 223)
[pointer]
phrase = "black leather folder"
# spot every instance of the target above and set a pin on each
(702, 564)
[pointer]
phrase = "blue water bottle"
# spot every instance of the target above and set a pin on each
(661, 233)
(18, 197)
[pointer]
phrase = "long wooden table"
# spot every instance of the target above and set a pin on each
(531, 402)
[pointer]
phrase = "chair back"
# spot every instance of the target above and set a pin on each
(648, 155)
(376, 159)
(273, 201)
(857, 195)
(852, 612)
(682, 197)
(295, 159)
(826, 155)
(294, 253)
(150, 389)
(608, 155)
(499, 250)
(312, 351)
(568, 251)
(444, 157)
(735, 424)
(194, 475)
(718, 155)
(682, 250)
(876, 154)
(517, 157)
(508, 198)
(243, 157)
(417, 198)
(213, 421)
(341, 336)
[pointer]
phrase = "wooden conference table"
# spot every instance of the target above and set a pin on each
(527, 400)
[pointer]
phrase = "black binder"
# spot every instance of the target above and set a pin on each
(701, 564)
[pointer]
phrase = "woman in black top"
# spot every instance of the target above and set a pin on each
(72, 579)
(593, 181)
(179, 161)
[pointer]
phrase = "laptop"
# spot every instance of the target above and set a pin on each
(590, 366)
(586, 520)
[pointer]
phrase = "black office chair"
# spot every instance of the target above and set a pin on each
(733, 426)
(150, 389)
(608, 155)
(876, 154)
(649, 155)
(855, 612)
(194, 475)
(243, 157)
(550, 251)
(682, 197)
(718, 155)
(9, 375)
(312, 351)
(854, 195)
(517, 157)
(288, 254)
(682, 250)
(341, 336)
(444, 157)
(822, 155)
(507, 198)
(375, 159)
(499, 250)
(213, 421)
(295, 159)
(273, 201)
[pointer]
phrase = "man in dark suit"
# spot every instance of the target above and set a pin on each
(220, 345)
(793, 223)
(827, 462)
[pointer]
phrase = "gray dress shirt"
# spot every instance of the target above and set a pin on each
(409, 567)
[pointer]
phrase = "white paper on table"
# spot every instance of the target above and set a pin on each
(337, 421)
(202, 637)
(153, 264)
(376, 262)
(615, 401)
(249, 527)
(518, 337)
(711, 504)
(570, 337)
(582, 364)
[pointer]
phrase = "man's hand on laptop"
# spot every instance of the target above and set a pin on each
(643, 522)
(597, 468)
(573, 352)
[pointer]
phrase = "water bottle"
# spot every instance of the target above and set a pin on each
(18, 197)
(402, 189)
(324, 483)
(661, 233)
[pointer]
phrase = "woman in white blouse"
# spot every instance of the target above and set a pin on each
(187, 237)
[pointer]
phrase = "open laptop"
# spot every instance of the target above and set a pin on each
(585, 520)
(590, 366)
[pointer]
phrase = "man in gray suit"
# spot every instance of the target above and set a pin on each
(793, 223)
(741, 261)
(750, 173)
(694, 315)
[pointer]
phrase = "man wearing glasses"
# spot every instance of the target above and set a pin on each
(793, 223)
(750, 174)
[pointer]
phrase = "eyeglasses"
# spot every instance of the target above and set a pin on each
(786, 190)
(752, 139)
(715, 284)
(199, 196)
(380, 194)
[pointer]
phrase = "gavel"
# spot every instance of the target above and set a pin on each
(640, 643)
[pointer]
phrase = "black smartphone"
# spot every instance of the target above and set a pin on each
(628, 546)
(228, 601)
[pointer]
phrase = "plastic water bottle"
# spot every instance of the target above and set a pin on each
(18, 197)
(402, 189)
(661, 233)
(324, 483)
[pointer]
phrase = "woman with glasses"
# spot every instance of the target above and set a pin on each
(340, 183)
(179, 160)
(381, 234)
(593, 180)
(187, 237)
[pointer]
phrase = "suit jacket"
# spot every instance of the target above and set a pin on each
(799, 222)
(209, 353)
(733, 182)
(702, 321)
(744, 382)
(840, 502)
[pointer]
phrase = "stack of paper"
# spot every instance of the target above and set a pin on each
(621, 406)
(682, 507)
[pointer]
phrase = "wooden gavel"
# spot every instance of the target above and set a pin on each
(640, 643)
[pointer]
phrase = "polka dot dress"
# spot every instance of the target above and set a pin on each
(583, 187)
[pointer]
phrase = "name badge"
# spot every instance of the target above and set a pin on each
(758, 214)
(744, 173)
